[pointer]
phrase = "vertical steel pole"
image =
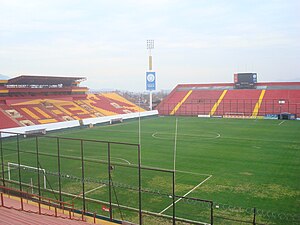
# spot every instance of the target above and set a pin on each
(140, 186)
(82, 176)
(109, 182)
(59, 169)
(254, 216)
(2, 160)
(19, 162)
(211, 213)
(173, 196)
(38, 164)
(38, 171)
(150, 100)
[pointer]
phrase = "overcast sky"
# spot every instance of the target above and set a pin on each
(196, 41)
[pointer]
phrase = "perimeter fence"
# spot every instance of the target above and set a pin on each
(95, 177)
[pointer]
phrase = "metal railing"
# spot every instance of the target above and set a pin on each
(40, 201)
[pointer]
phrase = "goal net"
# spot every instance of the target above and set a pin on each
(116, 120)
(35, 132)
(29, 173)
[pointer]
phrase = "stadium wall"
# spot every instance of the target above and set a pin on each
(75, 123)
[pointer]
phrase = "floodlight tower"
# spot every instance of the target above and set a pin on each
(150, 75)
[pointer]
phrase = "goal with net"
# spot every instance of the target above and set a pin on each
(12, 167)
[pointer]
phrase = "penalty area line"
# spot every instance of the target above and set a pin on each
(198, 185)
(101, 186)
(94, 189)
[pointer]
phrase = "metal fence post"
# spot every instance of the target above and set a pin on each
(19, 162)
(173, 193)
(140, 184)
(2, 199)
(38, 170)
(109, 182)
(2, 160)
(211, 213)
(59, 170)
(82, 177)
(254, 216)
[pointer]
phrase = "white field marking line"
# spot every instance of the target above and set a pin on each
(11, 154)
(263, 140)
(154, 135)
(122, 160)
(182, 171)
(193, 173)
(281, 122)
(88, 191)
(101, 186)
(115, 158)
(186, 194)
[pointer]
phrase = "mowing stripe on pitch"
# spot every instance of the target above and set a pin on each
(198, 185)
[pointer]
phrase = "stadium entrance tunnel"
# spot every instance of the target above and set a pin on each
(287, 116)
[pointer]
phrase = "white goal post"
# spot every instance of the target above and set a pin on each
(33, 132)
(11, 165)
(116, 120)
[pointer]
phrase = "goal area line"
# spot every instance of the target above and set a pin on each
(190, 191)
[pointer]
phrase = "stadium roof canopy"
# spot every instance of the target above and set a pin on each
(44, 80)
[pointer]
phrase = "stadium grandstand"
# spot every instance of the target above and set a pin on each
(231, 100)
(31, 100)
(40, 103)
(95, 175)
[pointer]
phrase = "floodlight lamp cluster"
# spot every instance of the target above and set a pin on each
(150, 44)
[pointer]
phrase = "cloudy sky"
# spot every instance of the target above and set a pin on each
(196, 41)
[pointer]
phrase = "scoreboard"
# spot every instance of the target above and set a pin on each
(245, 80)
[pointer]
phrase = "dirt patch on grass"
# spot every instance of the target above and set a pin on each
(270, 191)
(294, 146)
(275, 191)
(76, 187)
(160, 183)
(183, 187)
(163, 184)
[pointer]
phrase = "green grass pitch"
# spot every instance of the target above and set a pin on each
(238, 164)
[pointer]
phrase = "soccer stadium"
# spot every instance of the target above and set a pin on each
(219, 153)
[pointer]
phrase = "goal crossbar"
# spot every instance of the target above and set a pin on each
(11, 165)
